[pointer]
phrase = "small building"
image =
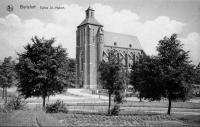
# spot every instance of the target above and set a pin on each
(92, 46)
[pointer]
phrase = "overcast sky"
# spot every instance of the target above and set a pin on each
(149, 20)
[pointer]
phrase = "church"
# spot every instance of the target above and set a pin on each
(92, 46)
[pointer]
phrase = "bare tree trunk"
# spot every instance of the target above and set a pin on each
(169, 106)
(43, 104)
(109, 104)
(5, 94)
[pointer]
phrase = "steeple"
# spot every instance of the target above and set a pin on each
(90, 19)
(89, 44)
(89, 12)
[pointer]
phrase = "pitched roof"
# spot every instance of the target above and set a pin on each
(122, 40)
(90, 20)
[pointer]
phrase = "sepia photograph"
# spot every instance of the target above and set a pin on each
(97, 63)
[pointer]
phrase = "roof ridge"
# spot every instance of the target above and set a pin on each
(121, 33)
(122, 40)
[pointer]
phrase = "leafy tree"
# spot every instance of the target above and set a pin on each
(145, 78)
(197, 75)
(112, 78)
(168, 75)
(7, 75)
(72, 71)
(42, 69)
(176, 70)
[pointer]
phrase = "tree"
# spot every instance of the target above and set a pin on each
(112, 77)
(145, 78)
(176, 70)
(7, 75)
(197, 75)
(42, 69)
(168, 75)
(72, 71)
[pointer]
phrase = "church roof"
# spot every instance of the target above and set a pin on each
(90, 8)
(121, 40)
(90, 20)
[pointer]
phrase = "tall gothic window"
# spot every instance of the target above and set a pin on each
(93, 35)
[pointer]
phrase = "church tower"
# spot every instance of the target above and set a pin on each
(89, 42)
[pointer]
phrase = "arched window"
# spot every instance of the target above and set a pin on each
(93, 36)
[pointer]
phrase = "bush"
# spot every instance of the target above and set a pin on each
(56, 107)
(115, 110)
(16, 103)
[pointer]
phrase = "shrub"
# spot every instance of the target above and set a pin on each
(16, 103)
(115, 110)
(56, 107)
(2, 109)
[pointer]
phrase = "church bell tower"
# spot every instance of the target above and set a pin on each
(89, 42)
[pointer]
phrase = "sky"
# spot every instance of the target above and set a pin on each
(149, 20)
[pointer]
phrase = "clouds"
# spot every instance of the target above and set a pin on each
(192, 44)
(16, 32)
(152, 31)
(148, 32)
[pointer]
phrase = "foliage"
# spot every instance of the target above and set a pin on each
(56, 107)
(198, 67)
(115, 110)
(197, 75)
(7, 75)
(42, 69)
(145, 78)
(196, 83)
(7, 72)
(112, 77)
(168, 75)
(16, 103)
(72, 72)
(176, 70)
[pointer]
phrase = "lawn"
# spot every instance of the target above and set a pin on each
(192, 120)
(121, 120)
(38, 118)
(18, 118)
(87, 111)
(26, 118)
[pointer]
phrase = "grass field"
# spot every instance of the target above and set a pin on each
(26, 118)
(191, 120)
(89, 110)
(38, 118)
